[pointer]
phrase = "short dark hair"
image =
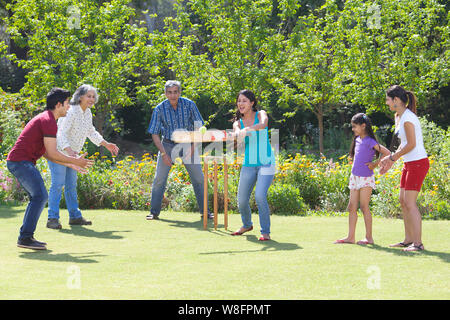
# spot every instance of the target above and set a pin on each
(56, 95)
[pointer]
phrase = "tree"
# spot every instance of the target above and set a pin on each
(341, 53)
(307, 72)
(74, 42)
(217, 47)
(313, 55)
(393, 42)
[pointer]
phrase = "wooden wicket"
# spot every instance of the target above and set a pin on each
(205, 191)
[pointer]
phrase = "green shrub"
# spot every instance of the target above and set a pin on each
(385, 198)
(185, 200)
(286, 199)
(126, 184)
(444, 153)
(442, 210)
(438, 178)
(10, 129)
(315, 178)
(335, 201)
(433, 209)
(433, 136)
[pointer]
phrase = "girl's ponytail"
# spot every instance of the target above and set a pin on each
(352, 148)
(408, 98)
(411, 105)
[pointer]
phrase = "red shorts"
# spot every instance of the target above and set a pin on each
(414, 173)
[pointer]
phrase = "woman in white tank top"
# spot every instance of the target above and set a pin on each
(416, 164)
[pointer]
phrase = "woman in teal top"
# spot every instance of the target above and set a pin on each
(258, 168)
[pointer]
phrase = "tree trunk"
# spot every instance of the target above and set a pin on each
(99, 121)
(319, 115)
(320, 118)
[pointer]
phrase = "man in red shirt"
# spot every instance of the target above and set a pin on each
(38, 139)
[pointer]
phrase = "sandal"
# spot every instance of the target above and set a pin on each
(239, 232)
(413, 247)
(263, 238)
(341, 241)
(364, 242)
(400, 245)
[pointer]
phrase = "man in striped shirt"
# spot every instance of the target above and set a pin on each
(172, 114)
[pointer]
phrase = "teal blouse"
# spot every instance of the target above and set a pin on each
(258, 151)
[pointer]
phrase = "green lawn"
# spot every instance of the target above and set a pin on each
(123, 256)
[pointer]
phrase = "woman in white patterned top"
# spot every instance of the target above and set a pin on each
(73, 129)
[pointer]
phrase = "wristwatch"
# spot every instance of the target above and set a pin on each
(390, 157)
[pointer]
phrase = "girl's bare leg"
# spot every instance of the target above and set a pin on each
(352, 208)
(364, 200)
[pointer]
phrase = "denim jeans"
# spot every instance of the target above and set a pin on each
(31, 180)
(62, 176)
(162, 172)
(262, 177)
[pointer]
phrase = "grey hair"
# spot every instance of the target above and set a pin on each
(81, 91)
(172, 83)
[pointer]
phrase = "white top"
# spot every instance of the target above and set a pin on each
(419, 151)
(74, 128)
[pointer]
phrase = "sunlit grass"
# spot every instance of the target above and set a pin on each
(124, 256)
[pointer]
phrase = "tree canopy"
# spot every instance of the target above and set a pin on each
(312, 55)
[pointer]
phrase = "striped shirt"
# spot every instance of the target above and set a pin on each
(165, 120)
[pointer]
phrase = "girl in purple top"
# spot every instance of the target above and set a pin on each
(362, 180)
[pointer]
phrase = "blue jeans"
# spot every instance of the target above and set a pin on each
(262, 177)
(31, 180)
(62, 176)
(162, 173)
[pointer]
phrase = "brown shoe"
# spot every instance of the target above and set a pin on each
(80, 222)
(53, 224)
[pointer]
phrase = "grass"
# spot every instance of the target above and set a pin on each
(123, 256)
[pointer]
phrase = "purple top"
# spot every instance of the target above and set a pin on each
(364, 153)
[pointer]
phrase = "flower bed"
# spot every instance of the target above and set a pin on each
(303, 185)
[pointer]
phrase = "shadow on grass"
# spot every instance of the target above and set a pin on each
(10, 212)
(398, 251)
(61, 257)
(195, 225)
(86, 232)
(271, 245)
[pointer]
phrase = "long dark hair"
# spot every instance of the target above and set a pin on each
(359, 119)
(407, 97)
(250, 96)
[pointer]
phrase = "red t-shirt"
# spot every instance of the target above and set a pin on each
(30, 144)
